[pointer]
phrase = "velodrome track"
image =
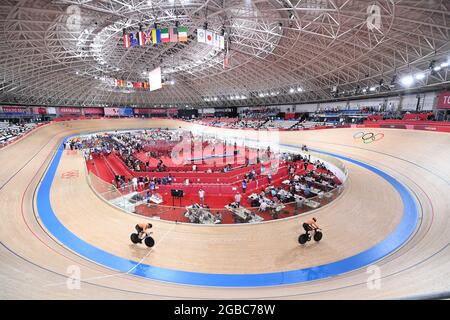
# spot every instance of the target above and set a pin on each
(33, 263)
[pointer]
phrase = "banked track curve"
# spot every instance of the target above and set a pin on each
(417, 159)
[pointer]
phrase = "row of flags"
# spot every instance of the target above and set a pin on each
(155, 36)
(131, 84)
(211, 38)
(154, 81)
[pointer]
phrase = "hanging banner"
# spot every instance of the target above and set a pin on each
(444, 100)
(154, 79)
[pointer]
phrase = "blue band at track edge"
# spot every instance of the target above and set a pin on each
(395, 240)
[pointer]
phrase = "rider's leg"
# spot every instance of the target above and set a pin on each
(307, 228)
(142, 235)
(148, 232)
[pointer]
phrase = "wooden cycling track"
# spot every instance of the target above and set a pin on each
(33, 264)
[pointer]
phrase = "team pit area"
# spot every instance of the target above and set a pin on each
(182, 176)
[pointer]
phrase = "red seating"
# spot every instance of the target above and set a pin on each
(417, 116)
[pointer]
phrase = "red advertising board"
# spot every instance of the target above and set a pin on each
(172, 111)
(141, 111)
(14, 109)
(433, 128)
(158, 111)
(97, 111)
(69, 110)
(289, 115)
(393, 126)
(39, 110)
(444, 100)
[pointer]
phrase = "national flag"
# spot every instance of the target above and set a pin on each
(126, 39)
(201, 35)
(137, 85)
(222, 42)
(182, 34)
(173, 34)
(216, 41)
(133, 40)
(148, 37)
(156, 36)
(146, 86)
(165, 35)
(141, 38)
(129, 84)
(226, 58)
(209, 38)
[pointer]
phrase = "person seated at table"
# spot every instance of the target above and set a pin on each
(218, 218)
(291, 171)
(292, 189)
(299, 201)
(276, 200)
(307, 191)
(262, 206)
(273, 192)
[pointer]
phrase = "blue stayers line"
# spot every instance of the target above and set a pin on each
(402, 232)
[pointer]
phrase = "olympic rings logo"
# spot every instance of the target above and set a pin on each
(368, 137)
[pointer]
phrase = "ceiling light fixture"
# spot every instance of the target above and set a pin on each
(407, 81)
